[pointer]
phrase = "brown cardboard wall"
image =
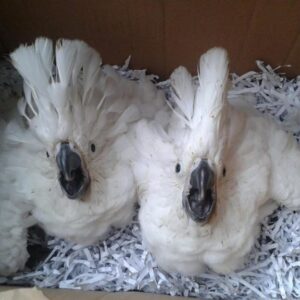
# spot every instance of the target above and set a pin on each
(161, 34)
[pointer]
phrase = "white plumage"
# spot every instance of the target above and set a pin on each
(68, 167)
(206, 183)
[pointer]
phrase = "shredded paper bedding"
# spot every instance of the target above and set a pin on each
(121, 262)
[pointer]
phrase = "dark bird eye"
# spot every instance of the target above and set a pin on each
(224, 172)
(93, 147)
(177, 168)
(47, 153)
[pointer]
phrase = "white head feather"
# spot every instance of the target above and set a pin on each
(201, 129)
(57, 84)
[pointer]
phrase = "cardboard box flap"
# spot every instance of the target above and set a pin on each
(10, 293)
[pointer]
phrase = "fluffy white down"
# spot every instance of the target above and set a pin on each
(261, 163)
(72, 99)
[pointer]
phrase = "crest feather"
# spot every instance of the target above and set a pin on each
(192, 106)
(34, 63)
(183, 93)
(55, 83)
(212, 75)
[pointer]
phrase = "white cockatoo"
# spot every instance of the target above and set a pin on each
(68, 169)
(207, 181)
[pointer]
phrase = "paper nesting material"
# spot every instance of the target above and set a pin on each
(121, 263)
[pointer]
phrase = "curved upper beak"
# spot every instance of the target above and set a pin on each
(67, 161)
(73, 178)
(200, 201)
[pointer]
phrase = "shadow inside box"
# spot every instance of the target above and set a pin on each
(37, 247)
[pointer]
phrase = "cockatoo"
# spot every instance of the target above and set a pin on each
(207, 181)
(68, 169)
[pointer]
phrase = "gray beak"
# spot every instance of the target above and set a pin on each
(200, 201)
(73, 179)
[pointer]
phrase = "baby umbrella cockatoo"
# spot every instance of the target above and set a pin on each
(206, 183)
(67, 168)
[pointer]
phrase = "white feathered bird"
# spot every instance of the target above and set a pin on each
(68, 168)
(206, 183)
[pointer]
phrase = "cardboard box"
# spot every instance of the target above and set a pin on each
(10, 293)
(160, 35)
